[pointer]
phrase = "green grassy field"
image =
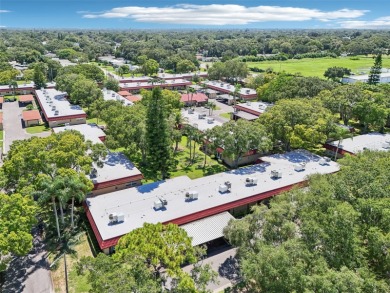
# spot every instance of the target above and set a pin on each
(37, 129)
(317, 67)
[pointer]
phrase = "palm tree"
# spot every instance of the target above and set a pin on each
(339, 134)
(13, 85)
(191, 91)
(76, 189)
(48, 191)
(236, 93)
(212, 107)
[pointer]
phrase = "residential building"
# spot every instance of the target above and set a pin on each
(200, 119)
(226, 88)
(250, 110)
(384, 78)
(194, 99)
(173, 84)
(372, 141)
(183, 201)
(30, 118)
(57, 110)
(109, 95)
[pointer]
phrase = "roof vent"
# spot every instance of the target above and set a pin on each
(56, 112)
(386, 145)
(251, 181)
(93, 173)
(191, 195)
(210, 120)
(275, 174)
(324, 161)
(202, 116)
(190, 111)
(53, 108)
(225, 187)
(115, 218)
(248, 103)
(248, 91)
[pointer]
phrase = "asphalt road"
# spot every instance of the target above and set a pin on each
(12, 125)
(29, 274)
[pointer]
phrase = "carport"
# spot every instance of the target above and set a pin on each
(207, 229)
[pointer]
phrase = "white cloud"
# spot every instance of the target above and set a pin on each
(379, 23)
(215, 14)
(4, 11)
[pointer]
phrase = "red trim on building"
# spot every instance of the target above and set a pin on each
(110, 183)
(250, 111)
(198, 215)
(226, 91)
(339, 151)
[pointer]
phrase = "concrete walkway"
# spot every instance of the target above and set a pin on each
(225, 264)
(12, 125)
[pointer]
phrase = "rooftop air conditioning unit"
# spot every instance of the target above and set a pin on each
(93, 173)
(386, 145)
(56, 112)
(191, 195)
(160, 203)
(201, 116)
(44, 91)
(138, 83)
(251, 181)
(115, 218)
(113, 95)
(248, 91)
(42, 88)
(300, 167)
(225, 187)
(324, 161)
(275, 174)
(248, 103)
(53, 108)
(190, 111)
(210, 120)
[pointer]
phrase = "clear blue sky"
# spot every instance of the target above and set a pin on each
(164, 14)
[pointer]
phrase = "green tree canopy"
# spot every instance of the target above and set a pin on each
(17, 218)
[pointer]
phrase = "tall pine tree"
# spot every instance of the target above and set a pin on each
(159, 145)
(375, 72)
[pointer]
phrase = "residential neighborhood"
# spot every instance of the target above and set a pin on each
(194, 148)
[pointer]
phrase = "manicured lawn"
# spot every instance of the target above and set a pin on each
(95, 120)
(194, 170)
(317, 66)
(77, 283)
(225, 115)
(37, 129)
(1, 134)
(22, 82)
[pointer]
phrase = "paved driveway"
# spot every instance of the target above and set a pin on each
(12, 124)
(225, 264)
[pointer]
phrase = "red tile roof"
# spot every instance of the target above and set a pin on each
(26, 98)
(133, 98)
(1, 117)
(124, 93)
(31, 115)
(197, 97)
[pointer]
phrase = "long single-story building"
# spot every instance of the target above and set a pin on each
(22, 89)
(173, 84)
(384, 78)
(57, 110)
(30, 118)
(372, 141)
(117, 173)
(182, 200)
(250, 110)
(90, 131)
(226, 88)
(1, 120)
(109, 95)
(188, 76)
(200, 120)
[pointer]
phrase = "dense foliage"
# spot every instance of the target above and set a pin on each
(333, 236)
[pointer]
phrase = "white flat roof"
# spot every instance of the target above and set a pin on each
(116, 166)
(90, 131)
(181, 75)
(170, 82)
(228, 87)
(57, 99)
(20, 86)
(109, 95)
(371, 141)
(364, 77)
(255, 106)
(137, 204)
(201, 124)
(207, 229)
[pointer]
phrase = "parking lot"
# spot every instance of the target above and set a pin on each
(13, 127)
